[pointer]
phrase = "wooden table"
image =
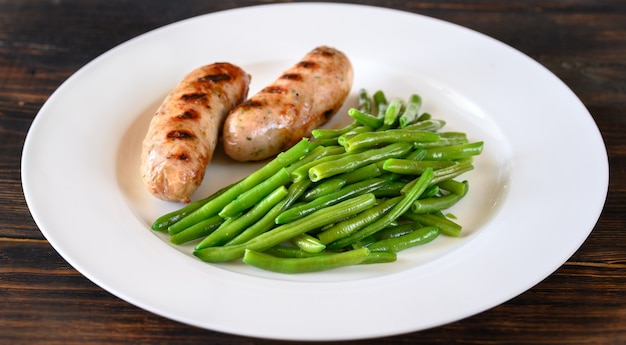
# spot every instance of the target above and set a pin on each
(44, 300)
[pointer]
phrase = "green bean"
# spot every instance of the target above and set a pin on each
(434, 204)
(302, 265)
(365, 119)
(346, 136)
(398, 210)
(392, 114)
(379, 258)
(454, 152)
(308, 243)
(324, 187)
(411, 111)
(380, 100)
(364, 101)
(416, 237)
(445, 225)
(351, 225)
(285, 232)
(357, 160)
(445, 139)
(315, 154)
(410, 167)
(267, 221)
(285, 251)
(302, 172)
(360, 174)
(235, 225)
(424, 116)
(444, 174)
(322, 133)
(196, 231)
(215, 205)
(426, 125)
(367, 140)
(454, 186)
(392, 189)
(349, 191)
(393, 231)
(163, 222)
(252, 196)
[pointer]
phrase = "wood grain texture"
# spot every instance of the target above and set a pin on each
(43, 300)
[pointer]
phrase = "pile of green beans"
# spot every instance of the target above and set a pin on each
(348, 196)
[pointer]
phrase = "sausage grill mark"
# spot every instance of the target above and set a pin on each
(251, 104)
(307, 64)
(193, 97)
(189, 114)
(274, 89)
(176, 134)
(215, 77)
(292, 76)
(180, 156)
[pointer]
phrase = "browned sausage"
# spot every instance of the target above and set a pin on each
(183, 133)
(304, 97)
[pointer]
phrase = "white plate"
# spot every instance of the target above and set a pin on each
(536, 193)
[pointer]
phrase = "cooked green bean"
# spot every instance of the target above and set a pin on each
(367, 140)
(416, 237)
(411, 167)
(454, 152)
(454, 186)
(267, 221)
(380, 101)
(323, 133)
(215, 205)
(365, 119)
(426, 125)
(444, 174)
(430, 205)
(163, 222)
(379, 258)
(287, 251)
(393, 231)
(308, 243)
(447, 227)
(285, 232)
(196, 231)
(398, 210)
(349, 226)
(411, 111)
(357, 160)
(252, 196)
(235, 225)
(324, 187)
(302, 172)
(392, 114)
(302, 265)
(346, 136)
(344, 193)
(364, 101)
(360, 174)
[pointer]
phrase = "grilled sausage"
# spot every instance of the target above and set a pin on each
(184, 131)
(304, 97)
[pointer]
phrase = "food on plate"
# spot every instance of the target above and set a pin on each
(304, 97)
(355, 195)
(183, 133)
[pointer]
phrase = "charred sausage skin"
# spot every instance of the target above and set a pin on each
(304, 97)
(183, 133)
